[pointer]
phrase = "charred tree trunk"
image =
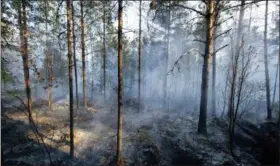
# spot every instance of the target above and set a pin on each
(139, 55)
(83, 53)
(74, 54)
(267, 84)
(166, 60)
(275, 84)
(104, 50)
(120, 84)
(202, 128)
(70, 78)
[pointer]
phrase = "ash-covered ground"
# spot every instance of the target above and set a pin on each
(150, 137)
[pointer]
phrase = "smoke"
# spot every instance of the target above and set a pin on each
(183, 69)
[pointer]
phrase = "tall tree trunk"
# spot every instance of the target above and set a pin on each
(70, 68)
(92, 73)
(213, 98)
(83, 53)
(202, 128)
(120, 83)
(24, 51)
(22, 22)
(235, 60)
(139, 55)
(74, 54)
(267, 84)
(250, 19)
(104, 50)
(279, 73)
(275, 84)
(235, 65)
(225, 96)
(47, 55)
(166, 59)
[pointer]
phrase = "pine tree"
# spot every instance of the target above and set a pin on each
(74, 54)
(139, 55)
(120, 84)
(267, 84)
(83, 53)
(202, 128)
(70, 68)
(104, 50)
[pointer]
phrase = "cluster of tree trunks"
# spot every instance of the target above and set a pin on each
(210, 50)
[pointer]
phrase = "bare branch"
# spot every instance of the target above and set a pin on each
(218, 24)
(220, 49)
(201, 41)
(39, 136)
(222, 33)
(190, 8)
(175, 64)
(57, 12)
(253, 2)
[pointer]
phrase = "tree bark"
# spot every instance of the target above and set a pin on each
(104, 51)
(213, 98)
(83, 53)
(275, 84)
(139, 55)
(120, 84)
(279, 76)
(267, 84)
(24, 51)
(92, 72)
(202, 128)
(74, 55)
(166, 60)
(68, 9)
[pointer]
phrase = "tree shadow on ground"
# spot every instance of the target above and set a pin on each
(19, 150)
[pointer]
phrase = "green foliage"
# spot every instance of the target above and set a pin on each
(6, 29)
(5, 74)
